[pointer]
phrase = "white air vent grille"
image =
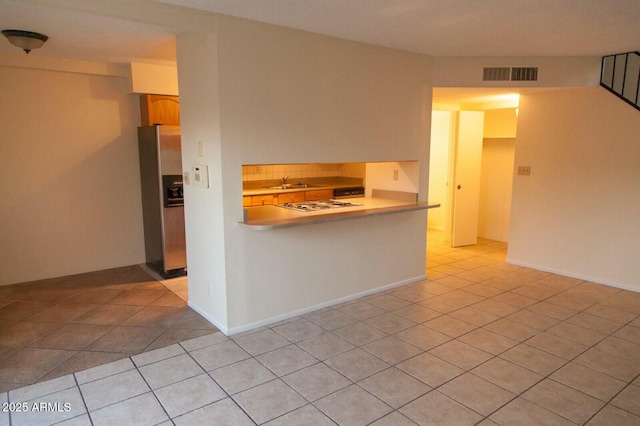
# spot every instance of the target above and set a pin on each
(496, 74)
(524, 74)
(510, 74)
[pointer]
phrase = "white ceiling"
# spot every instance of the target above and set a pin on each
(80, 35)
(456, 27)
(432, 27)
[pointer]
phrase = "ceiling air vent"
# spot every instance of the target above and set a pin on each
(524, 74)
(495, 74)
(510, 74)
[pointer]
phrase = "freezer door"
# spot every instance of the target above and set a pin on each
(175, 252)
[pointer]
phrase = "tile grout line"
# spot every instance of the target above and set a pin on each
(395, 365)
(217, 384)
(280, 378)
(592, 346)
(150, 388)
(86, 408)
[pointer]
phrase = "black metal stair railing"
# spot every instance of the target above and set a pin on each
(620, 75)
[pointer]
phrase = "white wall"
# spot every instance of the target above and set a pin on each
(294, 270)
(577, 214)
(287, 96)
(204, 217)
(295, 97)
(382, 176)
(498, 151)
(500, 123)
(71, 198)
(552, 71)
(496, 181)
(148, 78)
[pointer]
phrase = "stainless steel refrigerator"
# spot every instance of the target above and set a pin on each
(162, 199)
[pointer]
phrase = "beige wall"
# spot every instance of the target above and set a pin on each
(204, 217)
(500, 123)
(441, 122)
(496, 181)
(577, 214)
(71, 197)
(576, 71)
(498, 151)
(287, 96)
(159, 79)
(382, 176)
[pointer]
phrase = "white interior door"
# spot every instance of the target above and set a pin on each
(467, 154)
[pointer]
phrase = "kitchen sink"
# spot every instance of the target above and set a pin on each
(293, 186)
(303, 185)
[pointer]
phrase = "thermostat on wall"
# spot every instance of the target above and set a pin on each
(200, 175)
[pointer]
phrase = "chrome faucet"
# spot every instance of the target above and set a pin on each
(284, 180)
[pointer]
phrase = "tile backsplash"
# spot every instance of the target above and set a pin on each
(254, 172)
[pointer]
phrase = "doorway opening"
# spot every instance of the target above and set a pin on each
(471, 166)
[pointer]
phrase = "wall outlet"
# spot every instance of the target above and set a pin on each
(524, 170)
(186, 178)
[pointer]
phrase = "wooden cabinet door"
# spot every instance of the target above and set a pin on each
(321, 194)
(246, 201)
(261, 200)
(159, 109)
(291, 197)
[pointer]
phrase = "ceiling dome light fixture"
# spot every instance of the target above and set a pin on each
(25, 40)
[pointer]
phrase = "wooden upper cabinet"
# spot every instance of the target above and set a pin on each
(159, 109)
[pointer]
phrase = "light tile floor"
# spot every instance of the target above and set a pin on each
(479, 342)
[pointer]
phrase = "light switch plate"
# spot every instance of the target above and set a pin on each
(524, 170)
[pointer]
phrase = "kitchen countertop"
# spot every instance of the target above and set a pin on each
(274, 217)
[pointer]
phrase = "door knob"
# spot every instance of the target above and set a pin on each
(459, 186)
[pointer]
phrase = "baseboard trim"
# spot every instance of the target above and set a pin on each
(572, 275)
(283, 317)
(209, 318)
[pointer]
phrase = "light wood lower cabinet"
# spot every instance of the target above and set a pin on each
(320, 194)
(286, 197)
(290, 197)
(262, 200)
